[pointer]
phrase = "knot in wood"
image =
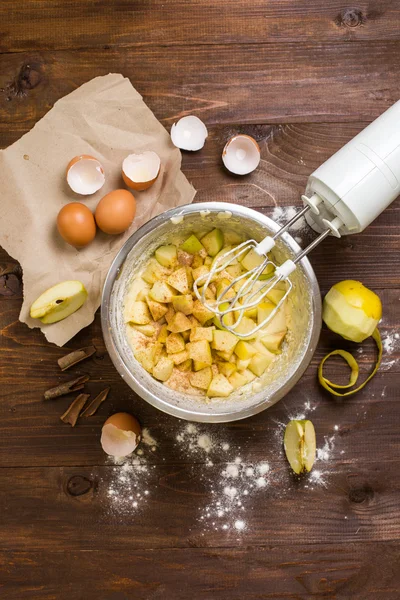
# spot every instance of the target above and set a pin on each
(78, 485)
(361, 494)
(351, 17)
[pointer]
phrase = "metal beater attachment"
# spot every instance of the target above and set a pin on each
(249, 289)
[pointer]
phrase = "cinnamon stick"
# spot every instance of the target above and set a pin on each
(95, 403)
(75, 357)
(72, 413)
(66, 388)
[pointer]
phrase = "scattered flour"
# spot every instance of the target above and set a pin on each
(283, 214)
(391, 344)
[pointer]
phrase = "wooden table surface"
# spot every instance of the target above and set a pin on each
(302, 77)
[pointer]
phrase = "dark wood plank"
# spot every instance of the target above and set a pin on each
(56, 24)
(298, 572)
(279, 83)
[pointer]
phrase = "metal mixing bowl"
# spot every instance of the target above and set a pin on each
(304, 326)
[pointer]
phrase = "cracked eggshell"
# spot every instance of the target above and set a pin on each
(139, 171)
(241, 154)
(120, 435)
(189, 133)
(85, 175)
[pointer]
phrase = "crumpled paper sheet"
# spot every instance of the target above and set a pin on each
(108, 119)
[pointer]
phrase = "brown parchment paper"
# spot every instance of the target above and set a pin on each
(108, 119)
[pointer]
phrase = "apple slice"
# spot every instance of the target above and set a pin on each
(59, 301)
(300, 445)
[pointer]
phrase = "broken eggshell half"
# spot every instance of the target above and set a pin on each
(189, 133)
(139, 171)
(241, 154)
(120, 435)
(85, 175)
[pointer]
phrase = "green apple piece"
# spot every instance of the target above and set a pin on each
(161, 292)
(157, 309)
(163, 334)
(232, 260)
(276, 295)
(234, 270)
(260, 362)
(201, 313)
(208, 261)
(59, 301)
(276, 324)
(244, 350)
(140, 314)
(183, 304)
(179, 323)
(145, 356)
(245, 326)
(167, 256)
(194, 322)
(219, 387)
(227, 368)
(180, 357)
(163, 369)
(201, 379)
(252, 260)
(174, 343)
(209, 294)
(185, 367)
(155, 272)
(264, 309)
(237, 380)
(197, 261)
(192, 245)
(242, 364)
(273, 341)
(222, 288)
(232, 238)
(225, 341)
(224, 354)
(200, 351)
(201, 333)
(179, 280)
(137, 290)
(213, 242)
(147, 330)
(198, 365)
(300, 445)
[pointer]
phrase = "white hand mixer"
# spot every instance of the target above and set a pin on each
(343, 196)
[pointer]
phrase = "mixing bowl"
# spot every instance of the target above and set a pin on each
(304, 323)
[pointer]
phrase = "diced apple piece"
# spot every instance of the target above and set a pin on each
(183, 304)
(179, 280)
(234, 270)
(219, 387)
(147, 330)
(232, 237)
(174, 343)
(252, 260)
(214, 370)
(163, 369)
(202, 333)
(179, 323)
(184, 258)
(194, 322)
(140, 314)
(145, 356)
(227, 320)
(159, 351)
(213, 242)
(237, 380)
(209, 294)
(201, 273)
(225, 341)
(208, 261)
(241, 364)
(276, 324)
(192, 245)
(59, 301)
(264, 309)
(201, 379)
(222, 288)
(245, 326)
(180, 357)
(273, 341)
(186, 335)
(201, 313)
(276, 295)
(249, 376)
(163, 334)
(198, 365)
(260, 362)
(166, 256)
(244, 350)
(200, 351)
(224, 354)
(155, 272)
(142, 295)
(197, 261)
(157, 309)
(226, 368)
(161, 292)
(185, 367)
(169, 315)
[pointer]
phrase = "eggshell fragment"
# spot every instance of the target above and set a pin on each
(116, 211)
(139, 171)
(241, 154)
(189, 133)
(120, 435)
(75, 224)
(85, 175)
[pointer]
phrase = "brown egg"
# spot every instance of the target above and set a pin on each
(76, 224)
(120, 435)
(116, 211)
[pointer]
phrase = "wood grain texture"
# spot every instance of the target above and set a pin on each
(56, 24)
